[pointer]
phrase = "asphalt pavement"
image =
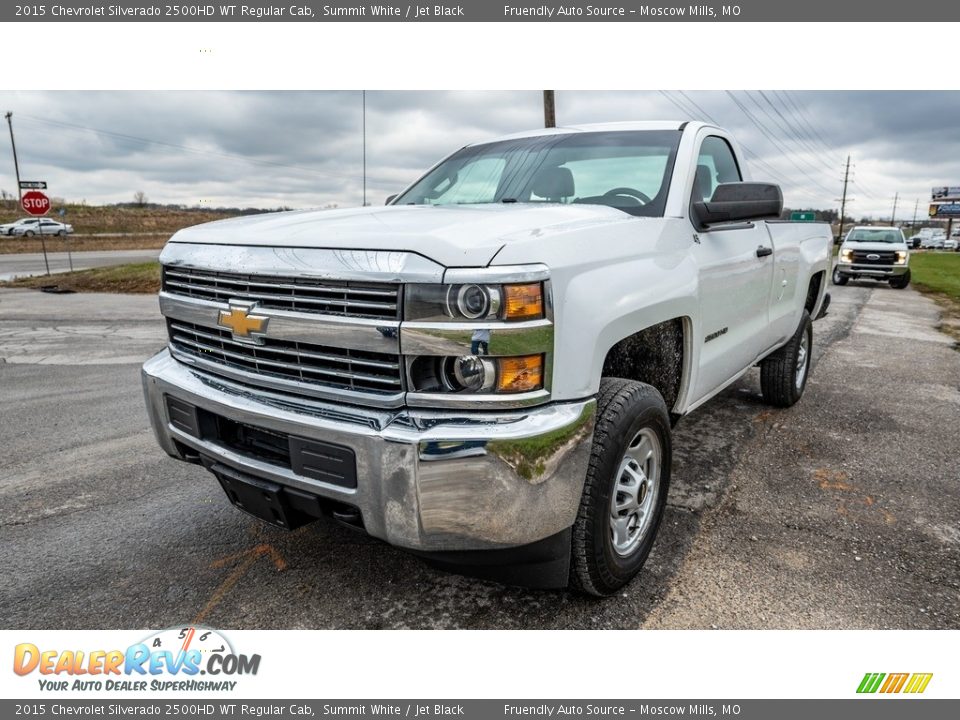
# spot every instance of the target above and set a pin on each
(841, 512)
(26, 264)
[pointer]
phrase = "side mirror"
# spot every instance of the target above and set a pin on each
(732, 202)
(391, 199)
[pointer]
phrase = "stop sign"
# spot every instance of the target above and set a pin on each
(35, 203)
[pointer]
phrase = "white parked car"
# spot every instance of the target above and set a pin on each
(951, 243)
(35, 226)
(8, 228)
(486, 371)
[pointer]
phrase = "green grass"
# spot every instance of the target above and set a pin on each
(936, 272)
(134, 278)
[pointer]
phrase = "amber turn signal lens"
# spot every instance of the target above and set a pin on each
(523, 302)
(520, 374)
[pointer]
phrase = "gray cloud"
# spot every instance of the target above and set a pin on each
(303, 149)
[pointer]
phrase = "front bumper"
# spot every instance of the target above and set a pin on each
(875, 271)
(427, 481)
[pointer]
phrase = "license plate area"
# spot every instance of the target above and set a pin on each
(260, 498)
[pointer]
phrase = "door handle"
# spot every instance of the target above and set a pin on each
(764, 251)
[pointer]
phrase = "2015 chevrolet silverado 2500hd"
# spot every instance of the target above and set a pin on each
(486, 371)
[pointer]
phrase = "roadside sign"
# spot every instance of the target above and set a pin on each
(803, 217)
(33, 184)
(35, 203)
(945, 193)
(945, 210)
(61, 212)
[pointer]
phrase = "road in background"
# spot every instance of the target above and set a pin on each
(837, 513)
(27, 264)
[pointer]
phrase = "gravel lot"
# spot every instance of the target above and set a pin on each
(842, 512)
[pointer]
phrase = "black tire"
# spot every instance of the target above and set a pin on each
(901, 281)
(61, 233)
(782, 380)
(839, 279)
(28, 233)
(625, 409)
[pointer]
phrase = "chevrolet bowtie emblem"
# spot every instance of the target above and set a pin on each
(245, 326)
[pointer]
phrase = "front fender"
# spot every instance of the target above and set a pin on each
(603, 305)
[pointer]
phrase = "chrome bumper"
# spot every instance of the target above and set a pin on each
(884, 271)
(427, 480)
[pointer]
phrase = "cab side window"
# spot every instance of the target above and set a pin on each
(716, 164)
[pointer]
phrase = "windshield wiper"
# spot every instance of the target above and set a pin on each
(509, 200)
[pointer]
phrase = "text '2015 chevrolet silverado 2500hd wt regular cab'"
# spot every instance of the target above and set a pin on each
(486, 371)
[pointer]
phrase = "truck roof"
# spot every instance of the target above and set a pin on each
(627, 126)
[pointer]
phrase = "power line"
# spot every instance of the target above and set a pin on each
(786, 139)
(776, 143)
(795, 132)
(754, 156)
(809, 131)
(802, 113)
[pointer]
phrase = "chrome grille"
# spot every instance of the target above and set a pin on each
(305, 363)
(309, 295)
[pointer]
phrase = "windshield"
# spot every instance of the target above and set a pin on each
(629, 171)
(880, 235)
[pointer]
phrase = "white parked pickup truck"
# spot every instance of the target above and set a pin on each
(874, 252)
(486, 371)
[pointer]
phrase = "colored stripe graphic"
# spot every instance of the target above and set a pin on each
(918, 682)
(894, 683)
(870, 682)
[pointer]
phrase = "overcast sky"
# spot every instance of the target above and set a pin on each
(271, 149)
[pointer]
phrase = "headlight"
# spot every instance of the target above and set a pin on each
(474, 374)
(901, 257)
(474, 302)
(846, 256)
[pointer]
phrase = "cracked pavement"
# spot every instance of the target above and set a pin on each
(841, 512)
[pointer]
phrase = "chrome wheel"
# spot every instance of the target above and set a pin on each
(634, 497)
(802, 353)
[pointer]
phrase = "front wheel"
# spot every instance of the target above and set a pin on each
(783, 374)
(839, 279)
(901, 281)
(625, 491)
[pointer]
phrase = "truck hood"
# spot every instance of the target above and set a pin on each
(454, 236)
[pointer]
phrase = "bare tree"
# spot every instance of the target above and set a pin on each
(140, 198)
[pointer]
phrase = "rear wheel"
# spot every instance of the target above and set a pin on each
(28, 233)
(783, 375)
(839, 279)
(901, 281)
(625, 490)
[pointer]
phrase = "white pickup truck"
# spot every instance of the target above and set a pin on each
(486, 371)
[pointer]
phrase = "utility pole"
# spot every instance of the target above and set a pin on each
(16, 165)
(916, 205)
(364, 121)
(893, 216)
(549, 109)
(843, 201)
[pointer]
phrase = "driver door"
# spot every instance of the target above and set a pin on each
(735, 278)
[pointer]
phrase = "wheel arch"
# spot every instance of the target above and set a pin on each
(659, 355)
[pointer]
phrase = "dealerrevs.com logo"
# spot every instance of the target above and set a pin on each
(171, 659)
(911, 683)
